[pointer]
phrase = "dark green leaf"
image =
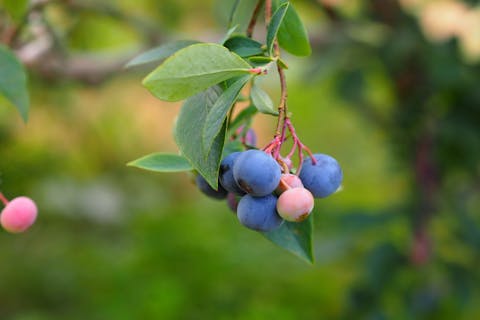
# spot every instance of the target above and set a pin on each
(243, 46)
(162, 162)
(13, 82)
(218, 113)
(292, 35)
(261, 100)
(159, 53)
(295, 237)
(188, 135)
(274, 26)
(193, 69)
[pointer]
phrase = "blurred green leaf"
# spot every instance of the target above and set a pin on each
(243, 46)
(244, 115)
(218, 113)
(13, 82)
(15, 8)
(159, 53)
(292, 35)
(162, 162)
(193, 69)
(261, 100)
(188, 135)
(295, 237)
(274, 26)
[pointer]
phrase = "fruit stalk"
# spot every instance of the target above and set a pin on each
(3, 199)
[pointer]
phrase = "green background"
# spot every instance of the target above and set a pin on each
(115, 242)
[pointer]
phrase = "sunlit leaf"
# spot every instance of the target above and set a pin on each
(194, 69)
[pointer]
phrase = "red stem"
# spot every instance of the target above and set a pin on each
(3, 199)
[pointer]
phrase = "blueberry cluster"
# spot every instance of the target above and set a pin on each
(268, 196)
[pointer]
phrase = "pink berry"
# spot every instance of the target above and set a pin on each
(288, 181)
(18, 215)
(295, 204)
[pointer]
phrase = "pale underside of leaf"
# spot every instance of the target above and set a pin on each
(261, 100)
(162, 162)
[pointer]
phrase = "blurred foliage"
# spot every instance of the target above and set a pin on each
(399, 109)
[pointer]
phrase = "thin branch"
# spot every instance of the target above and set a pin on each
(253, 19)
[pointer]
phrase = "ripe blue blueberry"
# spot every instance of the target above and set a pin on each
(203, 185)
(226, 174)
(256, 172)
(323, 178)
(259, 213)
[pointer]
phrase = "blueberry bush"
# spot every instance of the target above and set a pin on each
(213, 133)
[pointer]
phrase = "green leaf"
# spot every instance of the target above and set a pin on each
(188, 135)
(232, 13)
(218, 113)
(261, 100)
(241, 13)
(260, 61)
(162, 162)
(194, 69)
(159, 53)
(292, 35)
(295, 237)
(13, 82)
(243, 46)
(274, 26)
(16, 8)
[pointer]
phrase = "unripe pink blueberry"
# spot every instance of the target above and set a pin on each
(288, 181)
(18, 215)
(295, 204)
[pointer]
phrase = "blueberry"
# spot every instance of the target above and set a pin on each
(226, 174)
(259, 213)
(323, 178)
(203, 185)
(256, 172)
